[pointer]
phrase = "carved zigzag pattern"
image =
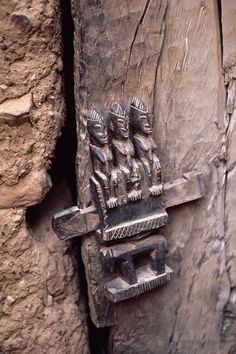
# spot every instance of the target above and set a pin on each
(136, 228)
(137, 289)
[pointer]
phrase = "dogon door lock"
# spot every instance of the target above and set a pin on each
(130, 203)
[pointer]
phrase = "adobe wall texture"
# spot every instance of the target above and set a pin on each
(41, 308)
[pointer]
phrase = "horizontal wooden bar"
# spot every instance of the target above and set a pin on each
(182, 190)
(74, 222)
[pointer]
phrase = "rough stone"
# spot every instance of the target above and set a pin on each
(30, 76)
(42, 310)
(30, 190)
(17, 110)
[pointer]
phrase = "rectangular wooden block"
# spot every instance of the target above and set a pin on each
(131, 228)
(182, 190)
(122, 271)
(118, 290)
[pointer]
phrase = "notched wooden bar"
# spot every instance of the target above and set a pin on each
(186, 189)
(74, 222)
(118, 290)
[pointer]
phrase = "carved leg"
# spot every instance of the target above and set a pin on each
(128, 272)
(104, 182)
(157, 259)
(127, 179)
(113, 181)
(157, 185)
(135, 192)
(108, 188)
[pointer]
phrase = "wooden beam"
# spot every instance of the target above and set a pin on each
(74, 222)
(183, 190)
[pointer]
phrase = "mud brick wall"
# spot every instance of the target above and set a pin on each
(41, 310)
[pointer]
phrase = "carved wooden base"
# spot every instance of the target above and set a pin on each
(122, 271)
(118, 290)
(124, 280)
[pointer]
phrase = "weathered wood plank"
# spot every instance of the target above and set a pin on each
(228, 15)
(183, 190)
(171, 59)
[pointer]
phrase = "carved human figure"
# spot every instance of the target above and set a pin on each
(101, 155)
(123, 150)
(145, 146)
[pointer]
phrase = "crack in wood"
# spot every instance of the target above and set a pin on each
(145, 10)
(163, 27)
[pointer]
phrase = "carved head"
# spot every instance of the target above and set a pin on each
(119, 121)
(97, 128)
(140, 117)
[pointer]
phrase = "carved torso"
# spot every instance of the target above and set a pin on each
(124, 151)
(102, 158)
(145, 146)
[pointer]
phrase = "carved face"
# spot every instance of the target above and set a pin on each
(141, 122)
(140, 117)
(121, 126)
(99, 132)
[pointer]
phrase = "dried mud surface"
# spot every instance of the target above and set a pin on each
(41, 308)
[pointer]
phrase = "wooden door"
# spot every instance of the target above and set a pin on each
(179, 56)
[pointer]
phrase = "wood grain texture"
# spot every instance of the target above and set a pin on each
(183, 190)
(171, 57)
(117, 48)
(189, 112)
(229, 65)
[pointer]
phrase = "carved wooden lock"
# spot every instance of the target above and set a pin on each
(127, 258)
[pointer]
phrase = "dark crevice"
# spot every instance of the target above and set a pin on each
(98, 338)
(67, 144)
(64, 193)
(62, 170)
(219, 12)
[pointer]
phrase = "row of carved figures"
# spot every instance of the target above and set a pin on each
(129, 163)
